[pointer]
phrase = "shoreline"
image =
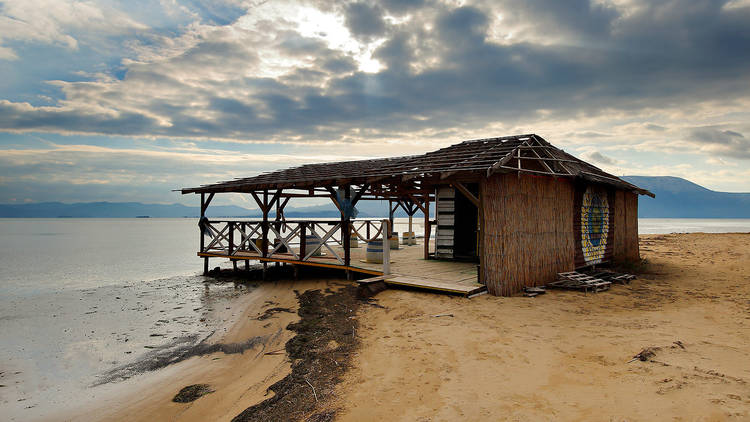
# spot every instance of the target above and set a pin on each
(246, 361)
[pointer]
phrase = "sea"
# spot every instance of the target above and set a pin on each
(80, 298)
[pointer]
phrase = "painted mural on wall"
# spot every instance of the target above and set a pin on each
(594, 225)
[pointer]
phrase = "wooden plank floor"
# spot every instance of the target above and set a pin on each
(408, 268)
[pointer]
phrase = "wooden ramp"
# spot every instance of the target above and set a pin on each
(463, 288)
(456, 287)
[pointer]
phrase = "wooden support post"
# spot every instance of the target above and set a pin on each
(480, 236)
(264, 227)
(264, 230)
(230, 248)
(427, 227)
(302, 242)
(390, 217)
(367, 223)
(386, 247)
(205, 265)
(203, 214)
(247, 265)
(346, 233)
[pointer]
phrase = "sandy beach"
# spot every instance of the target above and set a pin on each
(564, 355)
(560, 356)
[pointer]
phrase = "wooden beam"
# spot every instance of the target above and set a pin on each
(359, 194)
(470, 196)
(427, 228)
(274, 199)
(204, 203)
(260, 203)
(334, 199)
(499, 164)
(417, 203)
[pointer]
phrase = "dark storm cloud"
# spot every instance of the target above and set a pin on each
(365, 20)
(442, 71)
(577, 18)
(727, 143)
(402, 6)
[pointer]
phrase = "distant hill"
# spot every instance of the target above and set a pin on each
(680, 198)
(368, 209)
(114, 210)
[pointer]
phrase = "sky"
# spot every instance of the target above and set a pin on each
(126, 100)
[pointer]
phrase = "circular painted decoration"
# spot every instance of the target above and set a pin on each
(594, 226)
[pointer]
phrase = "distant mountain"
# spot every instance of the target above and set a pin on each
(680, 198)
(115, 210)
(369, 209)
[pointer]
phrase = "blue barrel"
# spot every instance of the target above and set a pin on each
(374, 252)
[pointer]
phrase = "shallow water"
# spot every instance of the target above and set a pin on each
(693, 225)
(80, 297)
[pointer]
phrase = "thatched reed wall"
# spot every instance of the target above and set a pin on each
(528, 231)
(626, 227)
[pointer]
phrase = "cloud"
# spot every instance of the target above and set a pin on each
(364, 20)
(726, 143)
(58, 22)
(597, 157)
(385, 77)
(309, 88)
(445, 73)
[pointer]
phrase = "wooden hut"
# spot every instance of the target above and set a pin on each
(521, 208)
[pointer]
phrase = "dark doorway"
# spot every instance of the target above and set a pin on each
(465, 229)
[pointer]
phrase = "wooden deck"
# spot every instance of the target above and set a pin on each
(408, 268)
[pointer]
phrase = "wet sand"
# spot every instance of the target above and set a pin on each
(239, 380)
(59, 345)
(564, 355)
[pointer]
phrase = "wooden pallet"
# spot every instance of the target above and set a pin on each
(613, 277)
(579, 281)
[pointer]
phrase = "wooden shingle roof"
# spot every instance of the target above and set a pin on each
(479, 158)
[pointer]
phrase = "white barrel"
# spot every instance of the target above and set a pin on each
(354, 241)
(311, 243)
(374, 251)
(394, 240)
(409, 238)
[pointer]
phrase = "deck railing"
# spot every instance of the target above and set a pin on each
(295, 240)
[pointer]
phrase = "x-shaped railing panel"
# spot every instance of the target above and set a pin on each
(217, 236)
(285, 241)
(247, 239)
(323, 243)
